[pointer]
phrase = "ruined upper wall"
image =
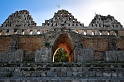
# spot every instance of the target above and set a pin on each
(105, 22)
(100, 25)
(19, 19)
(62, 18)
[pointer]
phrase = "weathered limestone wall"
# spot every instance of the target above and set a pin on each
(120, 43)
(83, 55)
(17, 56)
(30, 44)
(43, 55)
(27, 43)
(103, 43)
(97, 44)
(114, 55)
(4, 43)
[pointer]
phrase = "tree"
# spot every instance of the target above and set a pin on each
(61, 55)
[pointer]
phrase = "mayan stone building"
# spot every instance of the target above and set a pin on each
(27, 51)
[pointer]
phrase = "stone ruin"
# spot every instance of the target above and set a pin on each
(19, 19)
(105, 22)
(62, 19)
(95, 52)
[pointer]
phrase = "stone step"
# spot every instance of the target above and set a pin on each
(61, 79)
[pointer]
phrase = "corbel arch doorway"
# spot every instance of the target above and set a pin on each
(64, 41)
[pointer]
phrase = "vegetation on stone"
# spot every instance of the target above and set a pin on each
(47, 44)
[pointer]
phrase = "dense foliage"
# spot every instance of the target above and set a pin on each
(61, 55)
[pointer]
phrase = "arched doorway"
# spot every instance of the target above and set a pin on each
(64, 41)
(60, 55)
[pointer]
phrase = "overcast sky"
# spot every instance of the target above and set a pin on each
(83, 10)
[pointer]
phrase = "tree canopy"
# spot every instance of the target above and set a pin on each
(61, 55)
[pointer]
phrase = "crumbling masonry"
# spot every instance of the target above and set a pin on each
(95, 52)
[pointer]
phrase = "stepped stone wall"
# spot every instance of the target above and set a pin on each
(16, 56)
(62, 72)
(30, 44)
(24, 57)
(62, 18)
(105, 21)
(19, 19)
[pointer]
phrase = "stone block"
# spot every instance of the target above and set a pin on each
(67, 80)
(11, 32)
(120, 74)
(120, 33)
(75, 74)
(17, 56)
(69, 74)
(104, 33)
(114, 55)
(75, 81)
(99, 74)
(34, 32)
(62, 74)
(43, 74)
(26, 32)
(106, 74)
(89, 32)
(74, 69)
(86, 81)
(79, 69)
(97, 32)
(112, 33)
(19, 31)
(84, 55)
(114, 74)
(63, 69)
(51, 74)
(43, 55)
(4, 32)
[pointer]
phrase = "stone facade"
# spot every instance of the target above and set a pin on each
(62, 72)
(104, 33)
(105, 21)
(92, 50)
(15, 56)
(19, 19)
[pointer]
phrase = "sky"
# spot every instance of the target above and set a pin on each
(83, 10)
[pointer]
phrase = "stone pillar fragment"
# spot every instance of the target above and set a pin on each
(97, 32)
(83, 55)
(11, 32)
(89, 32)
(43, 55)
(4, 32)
